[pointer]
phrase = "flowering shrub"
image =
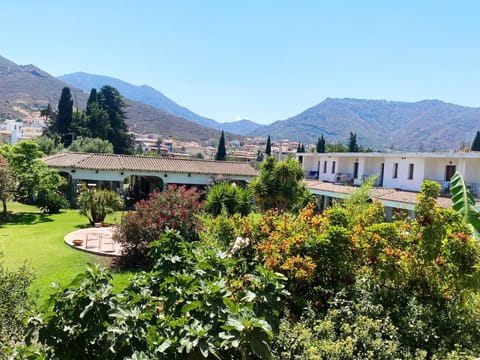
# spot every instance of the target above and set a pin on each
(177, 208)
(189, 306)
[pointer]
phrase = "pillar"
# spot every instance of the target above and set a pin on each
(73, 193)
(326, 201)
(411, 214)
(388, 213)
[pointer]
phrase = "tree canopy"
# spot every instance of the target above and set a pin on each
(221, 150)
(279, 185)
(352, 143)
(476, 142)
(320, 148)
(268, 147)
(35, 181)
(103, 118)
(64, 117)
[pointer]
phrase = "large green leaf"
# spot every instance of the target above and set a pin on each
(464, 203)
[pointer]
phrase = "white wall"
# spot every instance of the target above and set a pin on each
(171, 178)
(402, 181)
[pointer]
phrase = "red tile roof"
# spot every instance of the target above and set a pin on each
(148, 163)
(386, 194)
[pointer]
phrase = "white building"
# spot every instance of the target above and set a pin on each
(19, 130)
(401, 172)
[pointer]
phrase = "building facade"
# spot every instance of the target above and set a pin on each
(397, 174)
(402, 171)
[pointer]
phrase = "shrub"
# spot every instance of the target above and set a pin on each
(97, 204)
(15, 302)
(177, 208)
(188, 307)
(51, 202)
(230, 197)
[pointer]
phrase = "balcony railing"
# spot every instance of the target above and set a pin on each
(343, 178)
(473, 188)
(378, 181)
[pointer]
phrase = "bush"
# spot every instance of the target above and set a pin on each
(97, 204)
(177, 208)
(51, 202)
(188, 307)
(229, 197)
(15, 302)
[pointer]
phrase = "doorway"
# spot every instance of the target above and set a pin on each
(450, 171)
(382, 170)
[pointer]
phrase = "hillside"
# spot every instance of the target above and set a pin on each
(155, 98)
(242, 127)
(26, 89)
(425, 125)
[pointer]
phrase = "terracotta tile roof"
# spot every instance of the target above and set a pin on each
(148, 163)
(407, 197)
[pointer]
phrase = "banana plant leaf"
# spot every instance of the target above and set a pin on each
(464, 203)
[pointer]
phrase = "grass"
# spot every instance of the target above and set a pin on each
(31, 237)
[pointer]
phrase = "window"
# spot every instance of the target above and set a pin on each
(395, 170)
(333, 167)
(410, 171)
(355, 170)
(324, 166)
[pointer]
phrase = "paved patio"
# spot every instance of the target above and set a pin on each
(98, 241)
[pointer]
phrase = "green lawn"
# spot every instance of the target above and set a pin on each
(30, 237)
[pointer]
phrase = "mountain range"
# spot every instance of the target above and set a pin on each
(26, 89)
(428, 125)
(155, 98)
(380, 124)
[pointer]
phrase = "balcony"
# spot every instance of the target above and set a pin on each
(344, 178)
(474, 188)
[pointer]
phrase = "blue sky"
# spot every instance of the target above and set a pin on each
(257, 59)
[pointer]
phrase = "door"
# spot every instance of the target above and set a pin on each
(382, 170)
(355, 170)
(449, 171)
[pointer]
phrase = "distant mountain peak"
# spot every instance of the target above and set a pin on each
(152, 97)
(430, 124)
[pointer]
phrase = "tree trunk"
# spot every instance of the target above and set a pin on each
(4, 213)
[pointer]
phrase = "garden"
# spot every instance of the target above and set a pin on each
(247, 273)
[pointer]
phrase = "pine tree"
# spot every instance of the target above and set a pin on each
(476, 142)
(302, 148)
(221, 151)
(268, 148)
(320, 148)
(113, 104)
(64, 118)
(352, 143)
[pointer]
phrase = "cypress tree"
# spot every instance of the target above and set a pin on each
(268, 148)
(320, 145)
(221, 151)
(63, 121)
(352, 143)
(476, 142)
(92, 99)
(302, 148)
